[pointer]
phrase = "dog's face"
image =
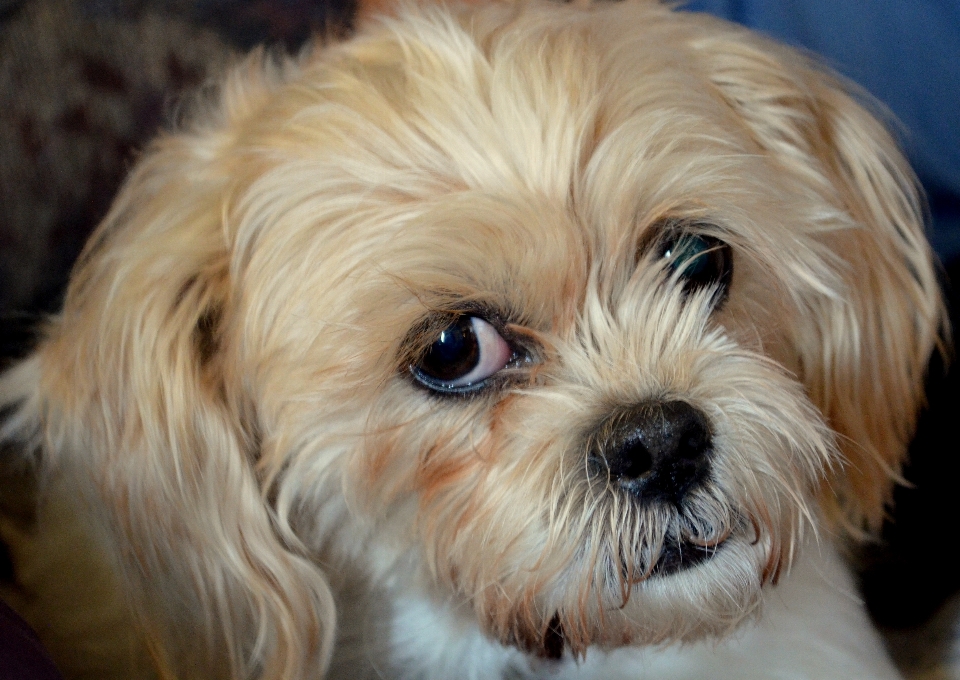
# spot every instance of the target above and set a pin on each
(578, 317)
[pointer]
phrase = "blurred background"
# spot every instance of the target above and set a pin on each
(85, 83)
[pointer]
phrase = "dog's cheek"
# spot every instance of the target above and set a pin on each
(429, 451)
(474, 484)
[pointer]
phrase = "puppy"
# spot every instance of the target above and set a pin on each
(513, 341)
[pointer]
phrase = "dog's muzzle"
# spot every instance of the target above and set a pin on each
(656, 451)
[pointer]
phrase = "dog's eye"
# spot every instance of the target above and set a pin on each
(463, 356)
(699, 260)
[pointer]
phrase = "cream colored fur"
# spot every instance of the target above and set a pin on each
(228, 384)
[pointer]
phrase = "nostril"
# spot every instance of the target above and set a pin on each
(693, 440)
(631, 461)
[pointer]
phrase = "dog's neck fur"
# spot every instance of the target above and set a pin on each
(812, 623)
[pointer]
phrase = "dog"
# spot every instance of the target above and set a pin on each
(513, 340)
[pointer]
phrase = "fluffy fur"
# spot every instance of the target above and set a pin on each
(229, 382)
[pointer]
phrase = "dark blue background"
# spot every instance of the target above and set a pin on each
(904, 52)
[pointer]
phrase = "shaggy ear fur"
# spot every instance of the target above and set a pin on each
(129, 389)
(863, 350)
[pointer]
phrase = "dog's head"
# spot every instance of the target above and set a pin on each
(583, 316)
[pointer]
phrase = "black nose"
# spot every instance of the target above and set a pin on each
(656, 450)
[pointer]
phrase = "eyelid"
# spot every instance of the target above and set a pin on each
(668, 227)
(446, 315)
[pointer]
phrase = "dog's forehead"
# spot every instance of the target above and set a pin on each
(541, 102)
(490, 153)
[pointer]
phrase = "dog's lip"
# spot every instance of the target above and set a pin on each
(682, 555)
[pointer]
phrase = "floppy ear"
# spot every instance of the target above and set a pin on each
(128, 392)
(865, 347)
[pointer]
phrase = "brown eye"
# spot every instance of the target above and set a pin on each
(463, 356)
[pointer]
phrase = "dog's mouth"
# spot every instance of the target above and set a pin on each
(683, 555)
(674, 557)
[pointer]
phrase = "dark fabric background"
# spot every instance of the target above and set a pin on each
(22, 657)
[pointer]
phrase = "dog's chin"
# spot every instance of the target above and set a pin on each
(692, 592)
